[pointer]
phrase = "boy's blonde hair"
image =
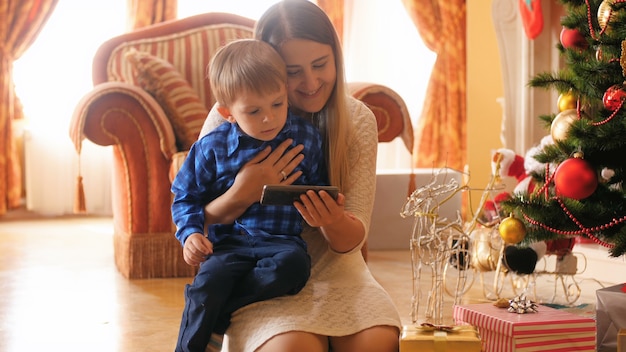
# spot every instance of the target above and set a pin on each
(245, 65)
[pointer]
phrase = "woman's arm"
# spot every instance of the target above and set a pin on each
(345, 223)
(342, 230)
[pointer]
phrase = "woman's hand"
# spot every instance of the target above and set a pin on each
(320, 209)
(267, 167)
(196, 249)
(341, 229)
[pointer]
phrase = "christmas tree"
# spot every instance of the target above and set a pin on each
(581, 190)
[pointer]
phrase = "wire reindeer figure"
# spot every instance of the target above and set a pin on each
(431, 242)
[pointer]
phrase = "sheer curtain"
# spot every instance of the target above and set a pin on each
(20, 25)
(50, 79)
(382, 46)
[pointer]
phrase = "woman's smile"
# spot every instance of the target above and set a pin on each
(311, 73)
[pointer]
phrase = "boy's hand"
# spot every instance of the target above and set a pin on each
(196, 249)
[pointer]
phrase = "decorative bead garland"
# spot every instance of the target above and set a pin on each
(583, 230)
(548, 180)
(591, 30)
(599, 123)
(588, 231)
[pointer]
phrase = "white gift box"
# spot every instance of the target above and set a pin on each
(610, 316)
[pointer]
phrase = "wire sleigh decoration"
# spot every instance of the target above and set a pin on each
(472, 247)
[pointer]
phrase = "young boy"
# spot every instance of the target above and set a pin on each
(261, 254)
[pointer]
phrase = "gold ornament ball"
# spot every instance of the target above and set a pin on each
(561, 124)
(512, 230)
(604, 13)
(567, 101)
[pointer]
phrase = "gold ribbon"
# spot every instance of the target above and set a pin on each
(440, 333)
(427, 327)
(447, 328)
(432, 327)
(441, 340)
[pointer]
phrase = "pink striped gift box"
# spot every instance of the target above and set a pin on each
(547, 330)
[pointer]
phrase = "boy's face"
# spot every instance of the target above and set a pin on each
(259, 116)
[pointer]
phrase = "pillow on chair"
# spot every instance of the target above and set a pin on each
(179, 101)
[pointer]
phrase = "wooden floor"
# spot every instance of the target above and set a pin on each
(60, 291)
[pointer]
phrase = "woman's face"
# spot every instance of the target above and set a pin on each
(311, 73)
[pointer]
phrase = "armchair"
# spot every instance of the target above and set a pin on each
(149, 99)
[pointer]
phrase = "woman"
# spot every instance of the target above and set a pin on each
(342, 307)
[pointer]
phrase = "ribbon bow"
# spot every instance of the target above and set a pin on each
(432, 327)
(521, 305)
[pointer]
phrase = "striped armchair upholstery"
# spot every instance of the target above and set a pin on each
(188, 51)
(119, 112)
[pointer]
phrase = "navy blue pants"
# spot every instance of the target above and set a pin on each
(242, 270)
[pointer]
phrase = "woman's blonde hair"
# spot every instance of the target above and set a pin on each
(245, 65)
(301, 19)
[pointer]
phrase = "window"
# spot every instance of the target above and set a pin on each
(382, 46)
(50, 79)
(247, 8)
(55, 72)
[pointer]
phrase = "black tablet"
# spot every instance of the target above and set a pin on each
(287, 194)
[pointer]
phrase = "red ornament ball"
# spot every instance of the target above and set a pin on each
(613, 97)
(572, 38)
(575, 178)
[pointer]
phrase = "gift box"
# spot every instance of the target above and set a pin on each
(610, 316)
(547, 330)
(430, 338)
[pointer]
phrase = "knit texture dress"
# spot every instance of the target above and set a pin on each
(341, 297)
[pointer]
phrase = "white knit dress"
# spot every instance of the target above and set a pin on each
(341, 297)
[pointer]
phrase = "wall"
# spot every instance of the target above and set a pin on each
(484, 87)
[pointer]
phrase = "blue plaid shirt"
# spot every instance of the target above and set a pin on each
(211, 167)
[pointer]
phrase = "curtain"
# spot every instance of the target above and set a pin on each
(441, 129)
(20, 23)
(142, 13)
(335, 10)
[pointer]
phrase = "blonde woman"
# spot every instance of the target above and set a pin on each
(341, 308)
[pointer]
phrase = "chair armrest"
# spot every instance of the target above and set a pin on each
(129, 119)
(392, 116)
(113, 112)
